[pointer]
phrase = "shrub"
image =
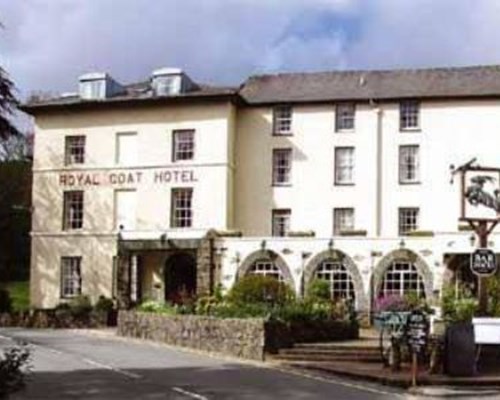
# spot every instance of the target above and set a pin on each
(157, 307)
(13, 368)
(319, 290)
(458, 304)
(80, 306)
(493, 285)
(260, 289)
(5, 301)
(104, 304)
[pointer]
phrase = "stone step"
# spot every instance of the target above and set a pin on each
(351, 346)
(331, 352)
(331, 358)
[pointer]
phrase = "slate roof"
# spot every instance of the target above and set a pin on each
(373, 85)
(134, 93)
(457, 82)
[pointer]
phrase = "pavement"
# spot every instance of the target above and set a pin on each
(69, 364)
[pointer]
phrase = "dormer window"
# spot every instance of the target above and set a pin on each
(170, 81)
(98, 86)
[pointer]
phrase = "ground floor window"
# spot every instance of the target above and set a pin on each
(402, 278)
(71, 276)
(266, 268)
(339, 279)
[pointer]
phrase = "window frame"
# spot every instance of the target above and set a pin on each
(404, 152)
(175, 142)
(287, 169)
(68, 146)
(337, 181)
(68, 215)
(64, 279)
(118, 159)
(404, 231)
(278, 119)
(277, 213)
(336, 216)
(404, 108)
(266, 267)
(337, 275)
(174, 220)
(340, 118)
(401, 277)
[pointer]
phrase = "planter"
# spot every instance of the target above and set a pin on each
(460, 350)
(486, 330)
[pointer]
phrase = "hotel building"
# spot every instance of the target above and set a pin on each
(142, 191)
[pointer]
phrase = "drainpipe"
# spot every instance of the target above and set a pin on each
(211, 276)
(379, 170)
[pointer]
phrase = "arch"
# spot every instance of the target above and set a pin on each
(361, 300)
(270, 255)
(408, 256)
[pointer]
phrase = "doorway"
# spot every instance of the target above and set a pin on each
(180, 277)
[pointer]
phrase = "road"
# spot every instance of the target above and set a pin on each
(72, 365)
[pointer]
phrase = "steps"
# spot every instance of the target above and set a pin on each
(362, 350)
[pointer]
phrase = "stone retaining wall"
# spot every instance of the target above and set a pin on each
(243, 338)
(54, 319)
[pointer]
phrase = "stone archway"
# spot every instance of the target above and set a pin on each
(259, 255)
(361, 299)
(179, 275)
(408, 256)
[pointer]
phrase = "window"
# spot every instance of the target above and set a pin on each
(340, 281)
(266, 268)
(402, 278)
(282, 166)
(71, 276)
(282, 120)
(344, 117)
(74, 152)
(95, 89)
(183, 145)
(281, 222)
(182, 208)
(73, 210)
(343, 220)
(409, 164)
(409, 115)
(166, 85)
(126, 148)
(344, 165)
(125, 209)
(408, 220)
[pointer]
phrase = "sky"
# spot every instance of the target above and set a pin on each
(46, 44)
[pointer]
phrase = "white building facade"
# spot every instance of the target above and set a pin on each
(344, 176)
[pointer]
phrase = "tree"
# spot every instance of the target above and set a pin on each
(8, 103)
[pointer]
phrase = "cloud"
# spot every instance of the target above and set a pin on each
(48, 43)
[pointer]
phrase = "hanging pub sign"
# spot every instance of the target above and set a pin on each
(483, 262)
(417, 331)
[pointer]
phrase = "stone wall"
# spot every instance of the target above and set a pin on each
(244, 338)
(55, 319)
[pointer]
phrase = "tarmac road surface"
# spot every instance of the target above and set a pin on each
(73, 365)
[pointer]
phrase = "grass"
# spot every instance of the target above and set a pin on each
(19, 294)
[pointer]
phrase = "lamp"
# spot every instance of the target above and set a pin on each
(472, 240)
(402, 244)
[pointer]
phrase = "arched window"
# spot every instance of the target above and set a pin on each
(266, 268)
(336, 274)
(402, 278)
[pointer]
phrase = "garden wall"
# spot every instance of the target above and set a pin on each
(54, 319)
(235, 337)
(247, 338)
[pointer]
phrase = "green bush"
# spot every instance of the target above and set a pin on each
(5, 301)
(258, 289)
(80, 306)
(157, 307)
(318, 290)
(104, 304)
(458, 304)
(493, 285)
(14, 365)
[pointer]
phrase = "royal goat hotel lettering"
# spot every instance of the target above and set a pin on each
(79, 179)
